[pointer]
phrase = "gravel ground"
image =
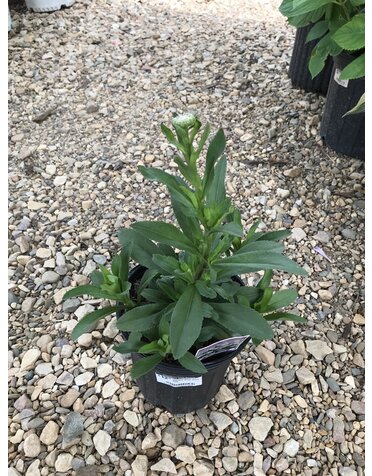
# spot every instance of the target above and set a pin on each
(88, 88)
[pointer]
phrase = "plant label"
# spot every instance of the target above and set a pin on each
(225, 345)
(179, 381)
(341, 82)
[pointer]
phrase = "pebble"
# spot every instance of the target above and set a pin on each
(164, 465)
(305, 376)
(259, 427)
(31, 446)
(246, 400)
(173, 436)
(291, 447)
(185, 454)
(140, 465)
(265, 355)
(50, 277)
(30, 358)
(50, 433)
(102, 442)
(63, 462)
(72, 429)
(220, 420)
(318, 349)
(224, 394)
(131, 417)
(109, 389)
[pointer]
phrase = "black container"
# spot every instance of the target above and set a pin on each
(178, 390)
(299, 65)
(345, 135)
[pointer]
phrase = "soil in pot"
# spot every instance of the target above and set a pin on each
(345, 135)
(178, 390)
(299, 70)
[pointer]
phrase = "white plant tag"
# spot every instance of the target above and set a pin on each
(179, 381)
(341, 82)
(225, 345)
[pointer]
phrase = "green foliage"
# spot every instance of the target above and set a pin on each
(186, 298)
(338, 25)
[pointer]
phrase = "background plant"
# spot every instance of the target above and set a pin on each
(186, 297)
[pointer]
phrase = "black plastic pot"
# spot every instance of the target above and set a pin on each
(298, 68)
(178, 390)
(345, 135)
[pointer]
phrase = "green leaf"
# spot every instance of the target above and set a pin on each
(127, 347)
(203, 139)
(351, 36)
(214, 190)
(317, 31)
(280, 299)
(205, 290)
(162, 232)
(305, 6)
(88, 321)
(124, 264)
(355, 69)
(266, 279)
(159, 175)
(190, 362)
(167, 263)
(255, 261)
(358, 108)
(250, 294)
(140, 318)
(231, 228)
(284, 316)
(155, 295)
(262, 246)
(186, 322)
(357, 3)
(97, 278)
(142, 248)
(151, 348)
(146, 279)
(143, 366)
(215, 150)
(286, 8)
(89, 290)
(261, 305)
(169, 135)
(242, 320)
(300, 21)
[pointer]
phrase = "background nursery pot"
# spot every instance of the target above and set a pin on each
(175, 388)
(298, 67)
(345, 135)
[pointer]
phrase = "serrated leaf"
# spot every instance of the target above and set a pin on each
(317, 31)
(88, 321)
(351, 36)
(280, 299)
(355, 69)
(190, 362)
(231, 228)
(301, 7)
(144, 365)
(205, 290)
(186, 322)
(167, 263)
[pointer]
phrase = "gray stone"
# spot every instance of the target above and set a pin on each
(185, 454)
(29, 359)
(273, 375)
(164, 465)
(318, 349)
(230, 464)
(246, 400)
(22, 402)
(173, 436)
(333, 385)
(338, 430)
(305, 376)
(259, 427)
(50, 277)
(131, 417)
(102, 442)
(291, 447)
(72, 429)
(31, 446)
(140, 465)
(224, 394)
(346, 471)
(50, 433)
(220, 420)
(202, 468)
(63, 462)
(348, 234)
(70, 305)
(358, 407)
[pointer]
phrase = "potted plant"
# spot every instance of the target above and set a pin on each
(338, 30)
(183, 310)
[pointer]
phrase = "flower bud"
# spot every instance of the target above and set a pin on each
(185, 121)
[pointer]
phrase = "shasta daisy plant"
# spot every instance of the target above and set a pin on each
(186, 297)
